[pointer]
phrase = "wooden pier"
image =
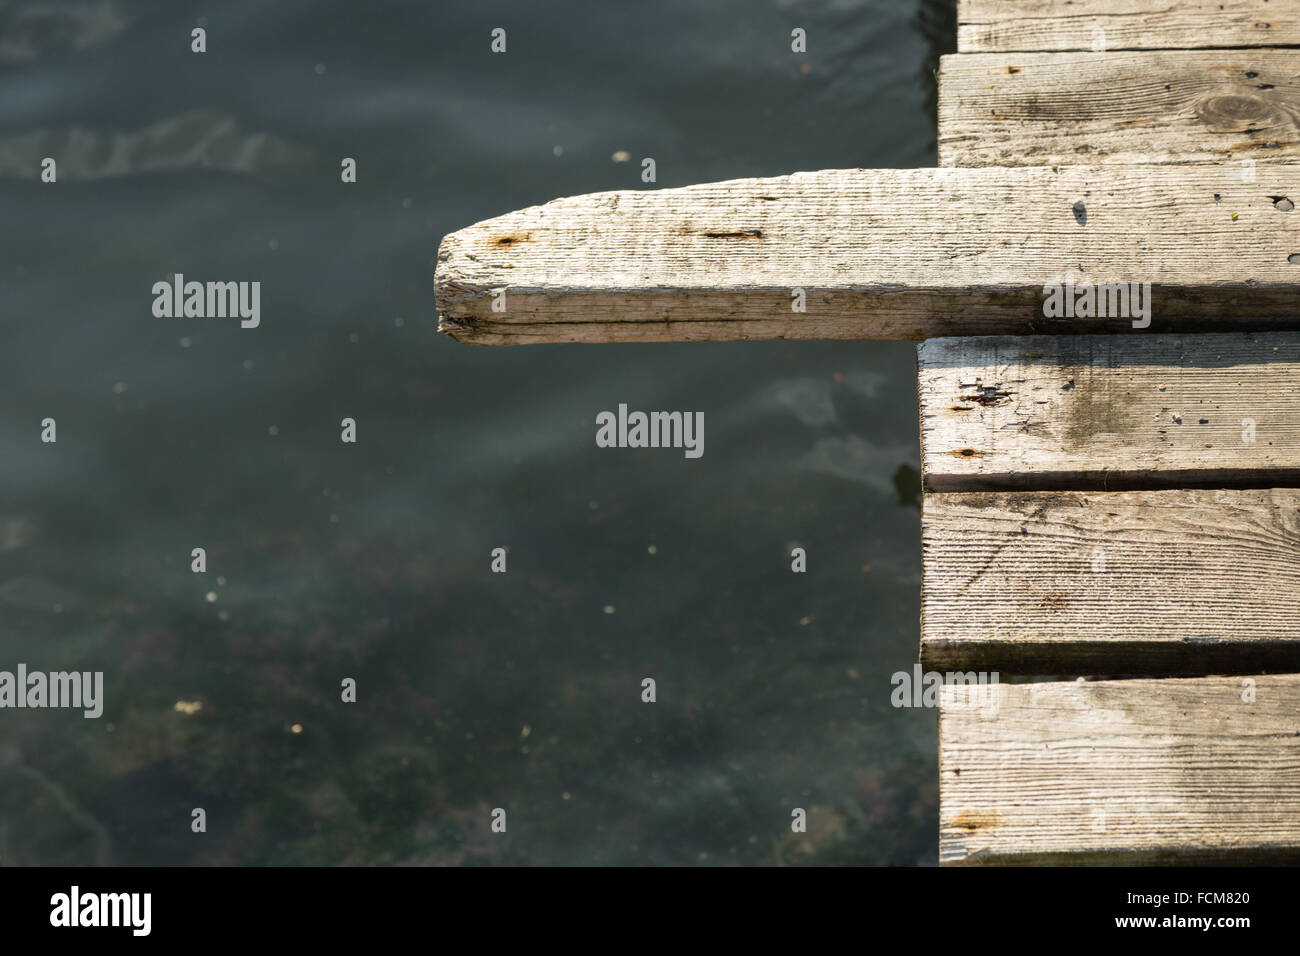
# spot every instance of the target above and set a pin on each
(1112, 499)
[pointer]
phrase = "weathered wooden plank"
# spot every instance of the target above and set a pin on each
(1122, 772)
(1136, 582)
(1109, 411)
(879, 254)
(998, 25)
(1041, 109)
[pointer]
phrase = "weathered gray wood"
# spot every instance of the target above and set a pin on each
(1121, 772)
(880, 254)
(1040, 109)
(1109, 411)
(1138, 582)
(995, 25)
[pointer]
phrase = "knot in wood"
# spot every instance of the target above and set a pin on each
(1237, 112)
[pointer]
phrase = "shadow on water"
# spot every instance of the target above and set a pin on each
(936, 20)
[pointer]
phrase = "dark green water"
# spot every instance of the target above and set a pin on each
(371, 561)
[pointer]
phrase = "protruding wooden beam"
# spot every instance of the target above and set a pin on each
(903, 254)
(994, 25)
(1040, 109)
(1121, 772)
(1134, 582)
(1110, 411)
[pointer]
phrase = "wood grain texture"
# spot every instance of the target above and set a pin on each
(880, 254)
(1121, 772)
(1000, 25)
(1041, 109)
(1139, 582)
(1109, 411)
